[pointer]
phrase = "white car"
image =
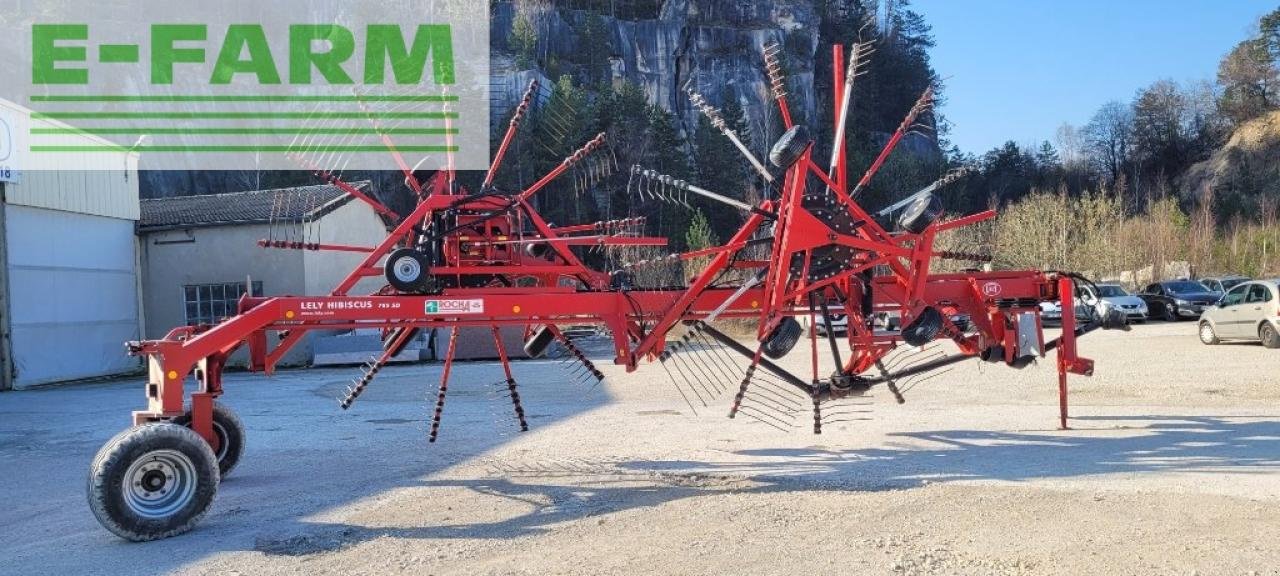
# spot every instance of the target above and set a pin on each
(1249, 311)
(1051, 312)
(1113, 297)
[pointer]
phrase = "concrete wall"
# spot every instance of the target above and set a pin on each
(175, 258)
(355, 224)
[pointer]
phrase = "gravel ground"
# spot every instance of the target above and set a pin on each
(1171, 468)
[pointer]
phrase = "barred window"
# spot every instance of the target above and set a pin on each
(210, 303)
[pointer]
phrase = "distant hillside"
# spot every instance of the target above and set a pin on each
(1243, 176)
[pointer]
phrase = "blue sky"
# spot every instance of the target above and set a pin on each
(1017, 69)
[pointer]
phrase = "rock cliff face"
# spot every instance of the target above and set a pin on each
(1243, 173)
(714, 46)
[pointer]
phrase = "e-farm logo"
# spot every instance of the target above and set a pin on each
(245, 51)
(280, 85)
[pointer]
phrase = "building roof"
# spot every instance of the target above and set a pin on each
(255, 207)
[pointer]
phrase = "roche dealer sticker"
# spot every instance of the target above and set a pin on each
(455, 306)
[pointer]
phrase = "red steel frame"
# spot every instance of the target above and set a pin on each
(639, 320)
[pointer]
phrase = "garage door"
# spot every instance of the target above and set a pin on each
(72, 295)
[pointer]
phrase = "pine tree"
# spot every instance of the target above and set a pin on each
(720, 167)
(593, 48)
(667, 154)
(524, 41)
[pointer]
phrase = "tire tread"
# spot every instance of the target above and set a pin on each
(112, 455)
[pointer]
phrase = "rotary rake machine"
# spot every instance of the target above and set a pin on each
(487, 259)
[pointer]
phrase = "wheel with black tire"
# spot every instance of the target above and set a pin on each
(1170, 313)
(924, 328)
(152, 481)
(537, 344)
(783, 338)
(790, 146)
(920, 214)
(1207, 335)
(230, 432)
(408, 271)
(1270, 338)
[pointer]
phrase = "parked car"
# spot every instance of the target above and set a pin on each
(885, 322)
(1113, 296)
(1177, 299)
(1248, 311)
(1223, 283)
(839, 324)
(1051, 312)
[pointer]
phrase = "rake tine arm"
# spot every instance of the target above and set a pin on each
(924, 102)
(569, 162)
(718, 122)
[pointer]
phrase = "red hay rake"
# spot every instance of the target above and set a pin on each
(488, 259)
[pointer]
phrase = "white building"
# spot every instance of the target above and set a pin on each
(200, 252)
(69, 267)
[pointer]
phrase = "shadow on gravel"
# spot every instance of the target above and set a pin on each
(1162, 444)
(573, 490)
(304, 457)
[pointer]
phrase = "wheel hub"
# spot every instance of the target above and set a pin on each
(159, 484)
(153, 480)
(407, 269)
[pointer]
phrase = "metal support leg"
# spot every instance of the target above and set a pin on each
(444, 385)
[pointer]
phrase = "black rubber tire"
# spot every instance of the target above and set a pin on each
(106, 483)
(790, 146)
(537, 344)
(1270, 338)
(1207, 335)
(1170, 313)
(924, 328)
(1111, 319)
(400, 268)
(537, 250)
(921, 214)
(230, 431)
(622, 280)
(783, 338)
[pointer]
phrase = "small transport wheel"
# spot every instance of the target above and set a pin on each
(230, 431)
(1270, 338)
(152, 481)
(924, 328)
(920, 214)
(408, 271)
(790, 146)
(783, 338)
(1207, 335)
(537, 344)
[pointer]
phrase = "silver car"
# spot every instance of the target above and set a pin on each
(1115, 297)
(1223, 284)
(1249, 311)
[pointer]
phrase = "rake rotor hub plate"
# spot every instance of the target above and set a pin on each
(830, 260)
